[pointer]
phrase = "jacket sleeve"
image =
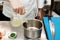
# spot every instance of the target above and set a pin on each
(40, 3)
(48, 2)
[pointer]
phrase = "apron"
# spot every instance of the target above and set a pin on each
(30, 8)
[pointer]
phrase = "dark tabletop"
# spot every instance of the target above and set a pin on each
(3, 18)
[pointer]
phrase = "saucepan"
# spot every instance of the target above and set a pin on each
(32, 28)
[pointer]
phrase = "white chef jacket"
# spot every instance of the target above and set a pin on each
(30, 8)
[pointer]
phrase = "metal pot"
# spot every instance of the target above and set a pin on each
(32, 29)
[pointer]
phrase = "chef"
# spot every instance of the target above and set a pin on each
(27, 8)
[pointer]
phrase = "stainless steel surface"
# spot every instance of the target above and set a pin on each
(32, 39)
(32, 29)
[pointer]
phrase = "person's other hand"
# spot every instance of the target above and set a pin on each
(17, 6)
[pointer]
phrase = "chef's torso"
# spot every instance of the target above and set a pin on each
(30, 8)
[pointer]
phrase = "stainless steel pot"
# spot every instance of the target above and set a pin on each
(32, 29)
(32, 39)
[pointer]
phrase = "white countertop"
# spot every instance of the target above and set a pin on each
(7, 28)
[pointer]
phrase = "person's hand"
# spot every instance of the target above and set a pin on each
(17, 6)
(40, 14)
(20, 10)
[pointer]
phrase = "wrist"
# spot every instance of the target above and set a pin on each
(40, 13)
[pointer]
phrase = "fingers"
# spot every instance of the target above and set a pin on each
(23, 9)
(20, 10)
(16, 10)
(17, 6)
